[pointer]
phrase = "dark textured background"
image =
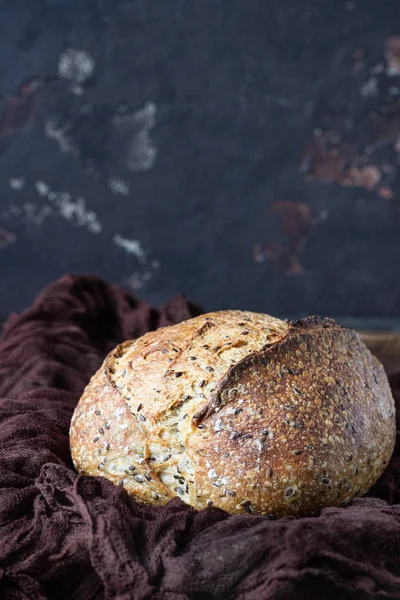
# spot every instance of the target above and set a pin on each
(247, 149)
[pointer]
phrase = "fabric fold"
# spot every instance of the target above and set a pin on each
(66, 536)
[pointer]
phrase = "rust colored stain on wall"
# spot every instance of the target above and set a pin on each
(19, 109)
(296, 221)
(323, 160)
(392, 53)
(6, 237)
(366, 155)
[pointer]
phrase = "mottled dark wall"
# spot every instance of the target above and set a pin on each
(244, 152)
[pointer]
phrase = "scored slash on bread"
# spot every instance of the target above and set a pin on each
(239, 410)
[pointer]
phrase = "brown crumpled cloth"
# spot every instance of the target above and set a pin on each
(75, 537)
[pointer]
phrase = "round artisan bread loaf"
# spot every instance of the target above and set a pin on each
(241, 411)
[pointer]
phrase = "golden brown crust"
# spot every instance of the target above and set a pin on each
(239, 410)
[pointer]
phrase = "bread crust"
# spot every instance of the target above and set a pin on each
(239, 410)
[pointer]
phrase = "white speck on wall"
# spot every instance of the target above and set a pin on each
(37, 214)
(137, 280)
(323, 215)
(62, 204)
(75, 65)
(16, 183)
(42, 188)
(370, 88)
(392, 70)
(131, 246)
(60, 136)
(77, 90)
(76, 212)
(119, 187)
(378, 69)
(141, 152)
(29, 213)
(155, 264)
